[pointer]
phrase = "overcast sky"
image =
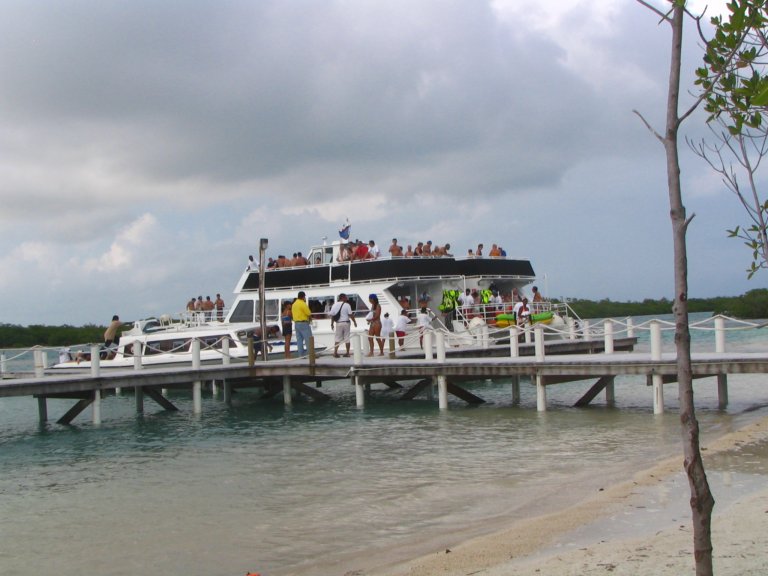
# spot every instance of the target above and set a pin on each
(146, 146)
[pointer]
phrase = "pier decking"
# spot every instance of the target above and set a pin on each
(546, 363)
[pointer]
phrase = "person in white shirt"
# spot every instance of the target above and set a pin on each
(343, 329)
(423, 321)
(387, 326)
(400, 327)
(373, 250)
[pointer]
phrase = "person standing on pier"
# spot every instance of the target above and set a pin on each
(302, 316)
(341, 316)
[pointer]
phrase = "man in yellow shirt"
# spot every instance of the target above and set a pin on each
(302, 316)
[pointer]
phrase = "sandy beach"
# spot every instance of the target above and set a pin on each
(639, 527)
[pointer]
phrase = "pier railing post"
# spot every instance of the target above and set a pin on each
(225, 358)
(2, 365)
(586, 332)
(571, 323)
(391, 341)
(539, 342)
(608, 331)
(137, 365)
(428, 344)
(195, 347)
(514, 345)
(720, 335)
(484, 336)
(357, 349)
(655, 340)
(251, 353)
(440, 347)
(37, 354)
(630, 327)
(95, 361)
(527, 332)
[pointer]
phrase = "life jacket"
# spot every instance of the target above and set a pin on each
(450, 300)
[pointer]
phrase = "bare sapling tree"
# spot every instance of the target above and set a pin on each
(702, 501)
(733, 80)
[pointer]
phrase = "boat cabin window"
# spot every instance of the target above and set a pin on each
(243, 312)
(321, 255)
(359, 306)
(320, 306)
(177, 346)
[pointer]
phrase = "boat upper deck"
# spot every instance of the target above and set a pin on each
(388, 269)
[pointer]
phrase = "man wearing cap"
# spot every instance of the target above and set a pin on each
(302, 316)
(344, 310)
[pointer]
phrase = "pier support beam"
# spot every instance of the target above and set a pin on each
(442, 392)
(42, 408)
(722, 391)
(516, 390)
(541, 394)
(227, 393)
(139, 397)
(359, 393)
(602, 384)
(197, 397)
(97, 407)
(658, 394)
(287, 395)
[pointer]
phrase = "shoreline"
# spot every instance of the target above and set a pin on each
(638, 526)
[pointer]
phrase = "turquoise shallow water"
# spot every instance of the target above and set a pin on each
(316, 489)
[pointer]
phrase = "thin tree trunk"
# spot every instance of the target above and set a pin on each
(702, 501)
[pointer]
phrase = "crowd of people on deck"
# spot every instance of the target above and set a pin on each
(357, 250)
(206, 307)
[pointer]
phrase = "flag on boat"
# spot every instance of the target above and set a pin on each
(344, 232)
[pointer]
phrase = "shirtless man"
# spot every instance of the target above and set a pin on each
(409, 252)
(395, 251)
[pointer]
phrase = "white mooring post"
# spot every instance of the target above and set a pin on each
(287, 395)
(720, 335)
(442, 392)
(39, 363)
(586, 332)
(539, 342)
(658, 384)
(137, 364)
(541, 394)
(95, 361)
(527, 334)
(357, 349)
(2, 365)
(485, 336)
(571, 323)
(428, 344)
(514, 346)
(630, 327)
(97, 407)
(608, 328)
(225, 359)
(195, 349)
(440, 347)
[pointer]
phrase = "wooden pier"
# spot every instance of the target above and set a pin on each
(547, 363)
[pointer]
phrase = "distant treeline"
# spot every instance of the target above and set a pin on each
(12, 336)
(753, 304)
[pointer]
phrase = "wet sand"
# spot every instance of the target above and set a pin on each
(639, 527)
